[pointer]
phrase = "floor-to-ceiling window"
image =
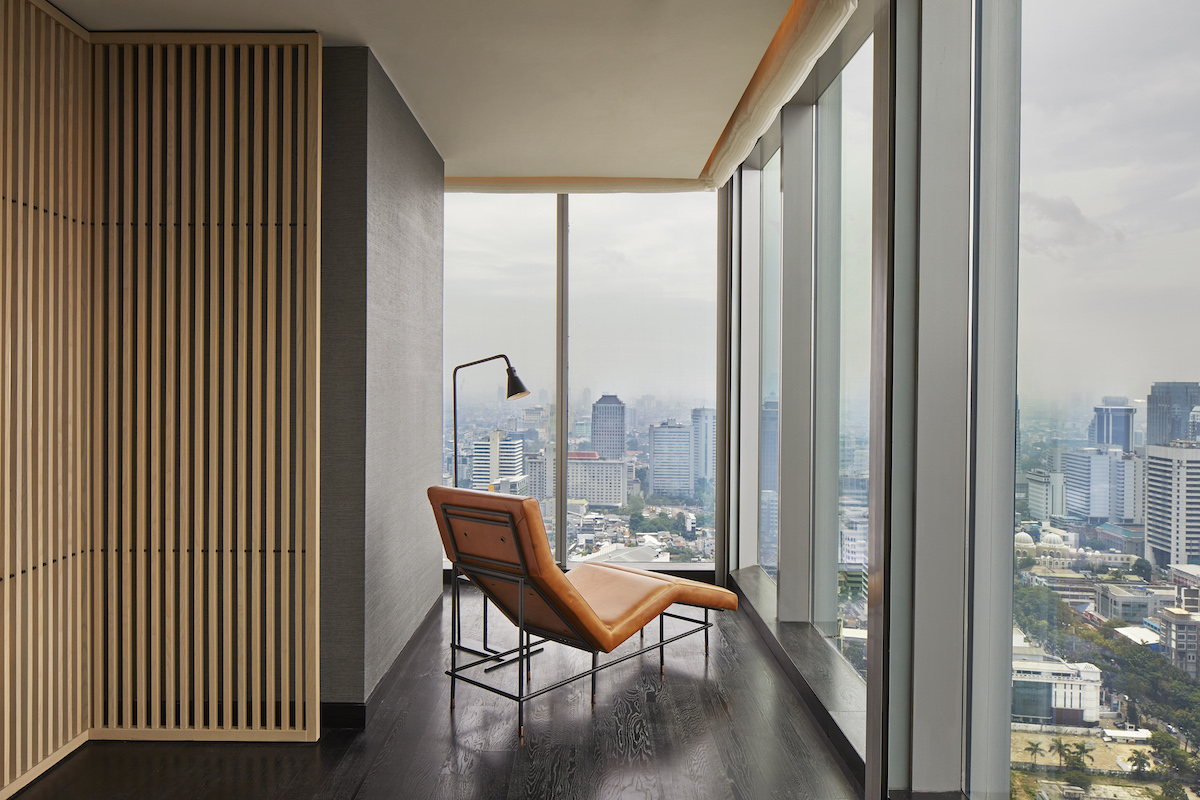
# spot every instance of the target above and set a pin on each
(641, 449)
(770, 258)
(500, 298)
(641, 464)
(842, 339)
(1107, 542)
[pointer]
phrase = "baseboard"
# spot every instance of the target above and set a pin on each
(343, 715)
(357, 716)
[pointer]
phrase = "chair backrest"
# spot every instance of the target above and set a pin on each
(499, 541)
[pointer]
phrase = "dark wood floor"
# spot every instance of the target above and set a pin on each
(727, 726)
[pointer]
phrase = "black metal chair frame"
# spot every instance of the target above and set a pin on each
(525, 643)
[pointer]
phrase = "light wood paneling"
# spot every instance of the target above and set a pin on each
(213, 339)
(45, 399)
(159, 347)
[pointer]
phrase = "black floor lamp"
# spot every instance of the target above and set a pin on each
(516, 389)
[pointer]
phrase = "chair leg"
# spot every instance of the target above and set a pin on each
(454, 631)
(595, 663)
(706, 632)
(662, 666)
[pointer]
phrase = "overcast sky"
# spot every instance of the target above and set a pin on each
(1110, 237)
(643, 293)
(1110, 187)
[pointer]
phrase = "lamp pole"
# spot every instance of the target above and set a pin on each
(516, 389)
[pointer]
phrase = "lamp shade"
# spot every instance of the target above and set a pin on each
(515, 387)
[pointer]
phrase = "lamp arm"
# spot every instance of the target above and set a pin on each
(454, 381)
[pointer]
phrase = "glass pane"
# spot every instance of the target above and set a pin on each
(844, 290)
(1106, 550)
(769, 304)
(643, 312)
(499, 297)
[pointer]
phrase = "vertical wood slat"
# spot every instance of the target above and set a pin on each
(8, 531)
(286, 252)
(171, 520)
(199, 506)
(157, 561)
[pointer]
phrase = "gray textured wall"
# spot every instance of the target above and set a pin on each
(381, 391)
(405, 186)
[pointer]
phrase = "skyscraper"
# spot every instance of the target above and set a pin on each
(671, 463)
(1168, 408)
(608, 427)
(498, 458)
(1173, 504)
(1113, 423)
(704, 443)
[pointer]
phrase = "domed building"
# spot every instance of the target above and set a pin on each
(1049, 551)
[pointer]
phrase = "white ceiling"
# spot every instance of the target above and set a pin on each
(526, 88)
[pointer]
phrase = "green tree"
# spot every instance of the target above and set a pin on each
(1083, 752)
(1034, 749)
(1140, 761)
(636, 522)
(1173, 790)
(1060, 747)
(1025, 562)
(1143, 569)
(643, 476)
(1162, 743)
(1131, 714)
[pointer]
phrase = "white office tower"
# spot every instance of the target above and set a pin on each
(1087, 471)
(1046, 494)
(541, 473)
(608, 427)
(599, 481)
(1173, 503)
(1126, 489)
(1194, 424)
(704, 443)
(671, 463)
(498, 458)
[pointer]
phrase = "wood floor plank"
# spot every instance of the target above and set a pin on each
(727, 726)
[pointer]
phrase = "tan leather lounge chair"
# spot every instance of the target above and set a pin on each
(499, 542)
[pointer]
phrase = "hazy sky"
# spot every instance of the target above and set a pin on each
(642, 290)
(1110, 236)
(1110, 197)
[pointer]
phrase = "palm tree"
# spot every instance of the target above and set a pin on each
(1139, 761)
(1034, 749)
(1084, 750)
(1057, 745)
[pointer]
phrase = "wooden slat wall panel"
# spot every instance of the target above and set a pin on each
(159, 348)
(210, 242)
(45, 389)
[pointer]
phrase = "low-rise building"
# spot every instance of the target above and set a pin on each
(1051, 691)
(1132, 603)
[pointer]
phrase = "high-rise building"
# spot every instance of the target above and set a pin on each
(1173, 503)
(1113, 423)
(1126, 489)
(608, 427)
(497, 458)
(1045, 493)
(671, 462)
(1168, 410)
(541, 473)
(1180, 625)
(1086, 471)
(599, 481)
(704, 442)
(1194, 424)
(768, 470)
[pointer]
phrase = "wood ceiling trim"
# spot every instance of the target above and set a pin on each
(574, 185)
(807, 30)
